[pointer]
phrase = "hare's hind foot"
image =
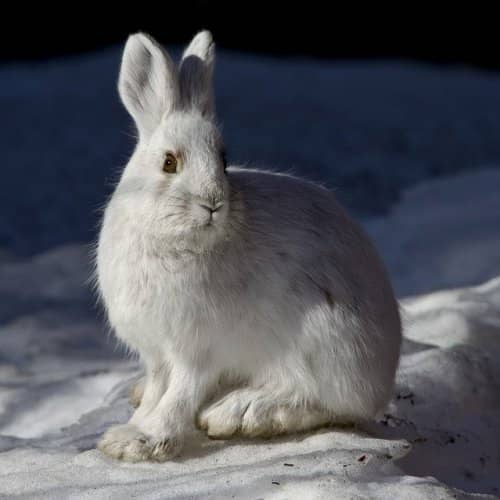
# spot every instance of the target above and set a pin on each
(257, 413)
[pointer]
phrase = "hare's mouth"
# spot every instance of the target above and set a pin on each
(210, 215)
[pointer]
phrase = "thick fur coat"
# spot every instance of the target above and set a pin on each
(256, 305)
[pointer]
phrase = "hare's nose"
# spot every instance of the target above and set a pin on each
(211, 207)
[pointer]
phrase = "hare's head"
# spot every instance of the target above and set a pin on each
(177, 177)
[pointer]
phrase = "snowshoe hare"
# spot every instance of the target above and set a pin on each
(257, 306)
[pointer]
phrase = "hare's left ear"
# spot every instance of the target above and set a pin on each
(195, 74)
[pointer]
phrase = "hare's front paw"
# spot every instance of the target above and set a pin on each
(128, 443)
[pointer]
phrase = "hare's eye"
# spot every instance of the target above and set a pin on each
(170, 164)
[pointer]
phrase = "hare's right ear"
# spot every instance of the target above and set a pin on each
(148, 83)
(195, 74)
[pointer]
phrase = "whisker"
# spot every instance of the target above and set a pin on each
(170, 215)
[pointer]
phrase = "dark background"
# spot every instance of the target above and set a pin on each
(368, 100)
(466, 35)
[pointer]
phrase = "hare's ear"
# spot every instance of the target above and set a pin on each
(148, 83)
(196, 74)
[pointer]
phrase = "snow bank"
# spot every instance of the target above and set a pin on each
(62, 383)
(443, 234)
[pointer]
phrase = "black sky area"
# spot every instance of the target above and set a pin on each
(464, 36)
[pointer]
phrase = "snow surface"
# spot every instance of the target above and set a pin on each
(62, 381)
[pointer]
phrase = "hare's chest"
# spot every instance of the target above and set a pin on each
(130, 285)
(148, 300)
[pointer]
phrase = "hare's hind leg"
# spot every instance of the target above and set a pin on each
(260, 413)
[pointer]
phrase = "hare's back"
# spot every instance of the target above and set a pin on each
(301, 228)
(287, 206)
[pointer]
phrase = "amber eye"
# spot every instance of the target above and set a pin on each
(170, 164)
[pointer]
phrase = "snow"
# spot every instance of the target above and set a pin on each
(443, 234)
(64, 382)
(382, 135)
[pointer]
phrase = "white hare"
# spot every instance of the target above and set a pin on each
(256, 304)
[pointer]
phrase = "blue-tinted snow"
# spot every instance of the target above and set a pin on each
(366, 129)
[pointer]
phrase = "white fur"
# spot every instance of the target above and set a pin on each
(281, 301)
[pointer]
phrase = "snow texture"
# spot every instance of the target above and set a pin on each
(63, 382)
